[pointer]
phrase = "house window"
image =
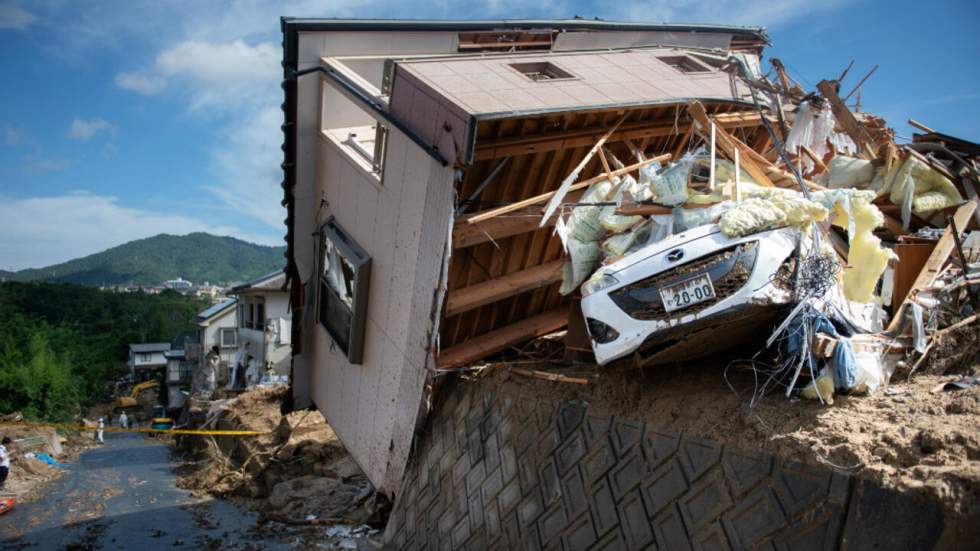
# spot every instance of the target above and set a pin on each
(146, 358)
(260, 314)
(542, 71)
(228, 337)
(684, 64)
(343, 291)
(369, 144)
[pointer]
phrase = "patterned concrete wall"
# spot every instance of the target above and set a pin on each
(501, 469)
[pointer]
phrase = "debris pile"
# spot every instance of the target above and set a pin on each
(879, 277)
(298, 473)
(38, 455)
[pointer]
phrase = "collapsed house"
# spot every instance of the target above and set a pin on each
(456, 188)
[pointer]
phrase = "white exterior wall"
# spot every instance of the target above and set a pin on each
(211, 334)
(155, 360)
(264, 345)
(403, 225)
(372, 407)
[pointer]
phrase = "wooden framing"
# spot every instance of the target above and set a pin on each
(500, 339)
(473, 296)
(944, 247)
(503, 272)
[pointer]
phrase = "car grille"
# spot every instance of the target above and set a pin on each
(729, 270)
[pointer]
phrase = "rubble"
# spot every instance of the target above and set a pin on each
(297, 473)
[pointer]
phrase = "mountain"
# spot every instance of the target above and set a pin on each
(196, 257)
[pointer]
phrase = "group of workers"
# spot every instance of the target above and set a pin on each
(243, 372)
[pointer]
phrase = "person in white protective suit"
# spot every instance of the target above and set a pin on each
(238, 366)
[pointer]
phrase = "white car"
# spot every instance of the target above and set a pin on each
(689, 295)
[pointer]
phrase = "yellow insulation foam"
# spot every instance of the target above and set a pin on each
(866, 259)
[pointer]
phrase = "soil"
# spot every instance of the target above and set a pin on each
(29, 477)
(298, 472)
(908, 436)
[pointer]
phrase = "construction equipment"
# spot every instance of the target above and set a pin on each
(160, 419)
(130, 401)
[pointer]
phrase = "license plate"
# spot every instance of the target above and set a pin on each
(688, 292)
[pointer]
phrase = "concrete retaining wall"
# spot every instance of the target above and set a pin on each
(497, 467)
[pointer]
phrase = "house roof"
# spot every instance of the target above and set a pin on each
(500, 86)
(150, 347)
(270, 282)
(294, 24)
(215, 310)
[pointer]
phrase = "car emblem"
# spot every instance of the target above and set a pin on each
(675, 255)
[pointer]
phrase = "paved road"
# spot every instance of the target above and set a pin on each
(123, 496)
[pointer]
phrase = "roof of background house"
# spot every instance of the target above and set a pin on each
(216, 309)
(150, 347)
(176, 354)
(270, 282)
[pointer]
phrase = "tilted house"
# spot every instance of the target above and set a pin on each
(418, 157)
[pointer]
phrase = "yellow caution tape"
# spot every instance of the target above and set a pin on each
(200, 432)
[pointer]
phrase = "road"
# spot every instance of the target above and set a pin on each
(123, 495)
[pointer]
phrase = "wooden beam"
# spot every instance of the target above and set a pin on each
(751, 161)
(474, 296)
(493, 213)
(944, 247)
(817, 161)
(500, 339)
(846, 119)
(636, 130)
(572, 177)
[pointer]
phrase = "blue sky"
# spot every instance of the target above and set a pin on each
(121, 120)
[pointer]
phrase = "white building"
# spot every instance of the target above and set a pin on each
(145, 358)
(263, 320)
(218, 326)
(396, 131)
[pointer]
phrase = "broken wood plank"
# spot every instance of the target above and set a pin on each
(844, 117)
(817, 161)
(484, 345)
(728, 143)
(944, 247)
(545, 376)
(479, 294)
(516, 223)
(493, 213)
(572, 177)
(641, 209)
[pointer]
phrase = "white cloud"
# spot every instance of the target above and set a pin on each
(13, 17)
(40, 231)
(247, 167)
(85, 130)
(142, 83)
(11, 136)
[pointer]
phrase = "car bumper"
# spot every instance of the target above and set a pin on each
(749, 276)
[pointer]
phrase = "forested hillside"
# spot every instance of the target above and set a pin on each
(60, 344)
(197, 257)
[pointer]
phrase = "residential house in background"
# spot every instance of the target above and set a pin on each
(147, 358)
(218, 326)
(263, 320)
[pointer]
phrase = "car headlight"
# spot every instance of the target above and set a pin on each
(596, 284)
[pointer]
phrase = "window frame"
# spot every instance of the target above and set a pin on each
(226, 331)
(352, 344)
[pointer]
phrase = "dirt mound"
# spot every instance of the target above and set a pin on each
(908, 436)
(298, 471)
(29, 476)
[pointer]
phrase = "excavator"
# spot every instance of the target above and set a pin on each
(130, 401)
(159, 417)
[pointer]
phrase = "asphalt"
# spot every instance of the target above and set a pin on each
(123, 495)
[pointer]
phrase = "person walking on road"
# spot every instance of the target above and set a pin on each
(123, 420)
(4, 460)
(98, 435)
